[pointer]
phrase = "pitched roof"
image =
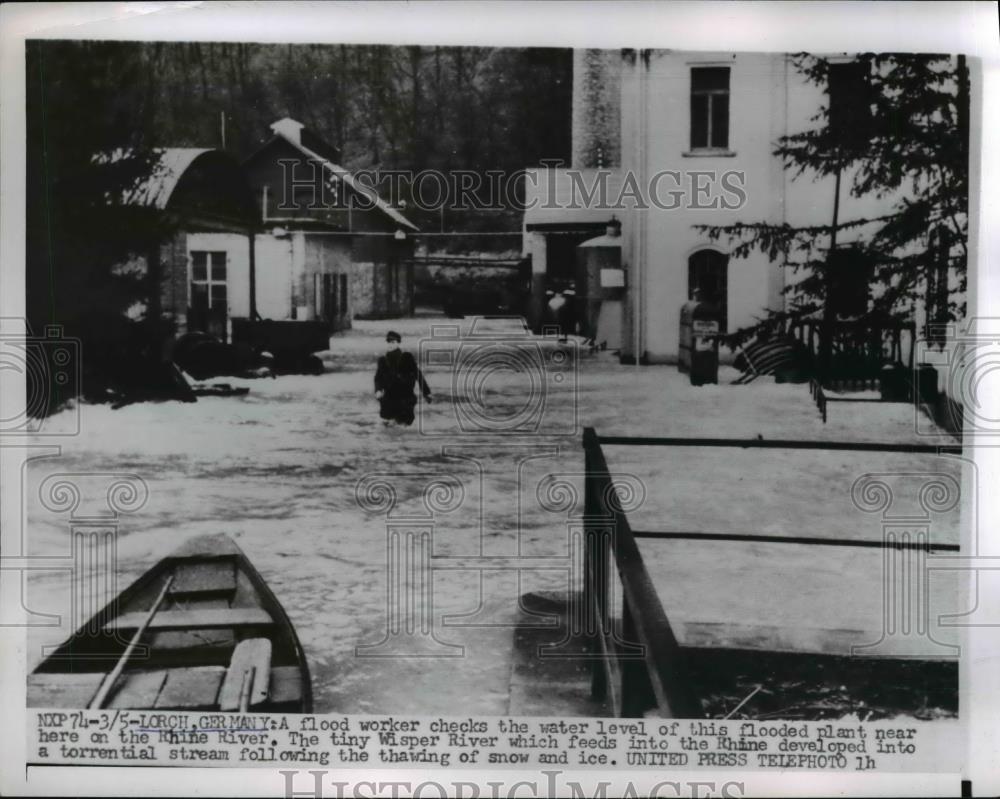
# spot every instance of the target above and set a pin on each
(338, 171)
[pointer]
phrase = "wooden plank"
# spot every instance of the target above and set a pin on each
(777, 443)
(63, 690)
(251, 660)
(201, 619)
(193, 639)
(113, 675)
(137, 690)
(191, 688)
(667, 671)
(209, 577)
(286, 685)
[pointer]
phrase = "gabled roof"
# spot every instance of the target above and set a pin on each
(336, 170)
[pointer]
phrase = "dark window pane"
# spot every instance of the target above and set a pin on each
(720, 120)
(219, 295)
(199, 296)
(850, 101)
(852, 275)
(218, 266)
(343, 294)
(710, 79)
(198, 268)
(699, 121)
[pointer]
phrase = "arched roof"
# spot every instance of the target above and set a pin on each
(191, 181)
(193, 170)
(155, 190)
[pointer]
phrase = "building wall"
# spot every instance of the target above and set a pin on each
(381, 290)
(290, 277)
(327, 263)
(768, 99)
(237, 249)
(274, 276)
(173, 266)
(175, 269)
(382, 279)
(658, 241)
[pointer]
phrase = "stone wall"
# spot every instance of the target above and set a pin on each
(596, 108)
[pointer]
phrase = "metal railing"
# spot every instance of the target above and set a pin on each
(642, 669)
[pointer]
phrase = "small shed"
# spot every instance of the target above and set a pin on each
(205, 268)
(330, 248)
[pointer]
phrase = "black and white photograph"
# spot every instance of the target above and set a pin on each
(408, 402)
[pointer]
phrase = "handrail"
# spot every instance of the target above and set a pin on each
(677, 535)
(665, 680)
(665, 667)
(773, 443)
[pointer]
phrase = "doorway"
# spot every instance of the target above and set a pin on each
(708, 274)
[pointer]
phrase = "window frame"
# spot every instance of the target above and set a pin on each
(209, 282)
(710, 94)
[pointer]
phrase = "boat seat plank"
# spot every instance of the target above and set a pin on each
(137, 690)
(286, 685)
(253, 654)
(191, 688)
(63, 690)
(202, 640)
(210, 577)
(201, 618)
(191, 602)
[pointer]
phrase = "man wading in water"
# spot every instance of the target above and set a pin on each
(395, 377)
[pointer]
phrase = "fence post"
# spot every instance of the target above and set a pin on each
(588, 609)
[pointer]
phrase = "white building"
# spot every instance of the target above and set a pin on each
(696, 134)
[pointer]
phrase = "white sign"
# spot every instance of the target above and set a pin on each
(612, 278)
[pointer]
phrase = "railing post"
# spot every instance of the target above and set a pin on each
(588, 605)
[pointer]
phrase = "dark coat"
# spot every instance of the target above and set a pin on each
(396, 375)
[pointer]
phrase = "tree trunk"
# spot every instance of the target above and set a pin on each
(828, 325)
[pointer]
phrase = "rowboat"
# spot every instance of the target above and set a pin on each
(201, 630)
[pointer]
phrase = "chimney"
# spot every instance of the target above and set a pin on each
(289, 128)
(596, 108)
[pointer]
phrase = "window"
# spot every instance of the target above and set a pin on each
(849, 111)
(208, 280)
(850, 282)
(708, 276)
(709, 108)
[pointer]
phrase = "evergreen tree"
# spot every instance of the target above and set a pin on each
(900, 125)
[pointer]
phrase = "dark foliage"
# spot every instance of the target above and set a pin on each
(905, 129)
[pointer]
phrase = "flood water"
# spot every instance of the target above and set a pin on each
(296, 472)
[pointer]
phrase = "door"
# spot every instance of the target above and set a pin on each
(708, 275)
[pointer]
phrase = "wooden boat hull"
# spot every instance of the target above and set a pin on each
(217, 633)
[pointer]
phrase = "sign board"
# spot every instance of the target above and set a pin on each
(612, 278)
(705, 326)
